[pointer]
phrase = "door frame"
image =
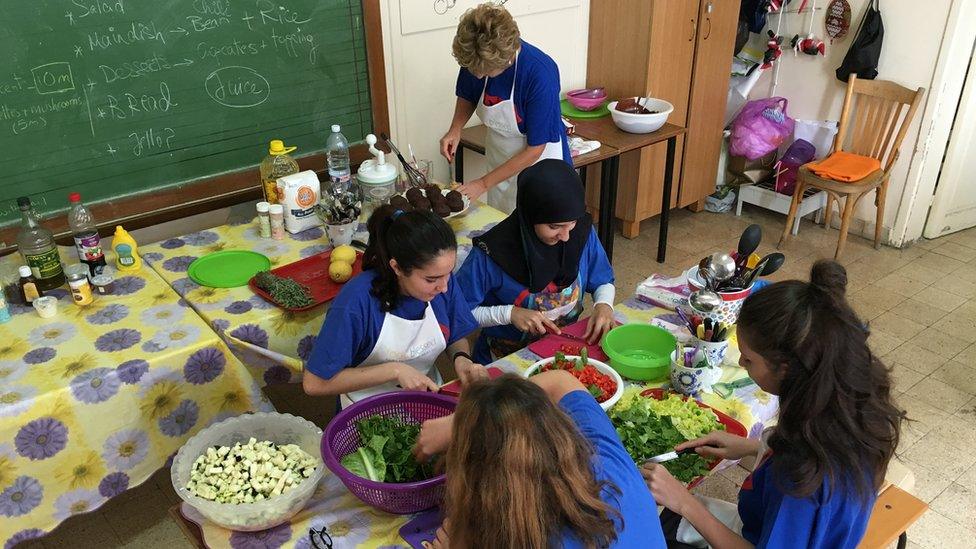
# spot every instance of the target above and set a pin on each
(936, 123)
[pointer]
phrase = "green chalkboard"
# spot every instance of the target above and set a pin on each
(112, 98)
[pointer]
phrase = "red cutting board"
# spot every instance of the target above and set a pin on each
(547, 346)
(454, 387)
(313, 271)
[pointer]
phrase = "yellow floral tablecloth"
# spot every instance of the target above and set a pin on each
(96, 399)
(270, 341)
(352, 524)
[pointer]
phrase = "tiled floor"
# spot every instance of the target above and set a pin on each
(920, 301)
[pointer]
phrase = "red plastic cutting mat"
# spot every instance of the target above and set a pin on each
(313, 271)
(547, 346)
(454, 388)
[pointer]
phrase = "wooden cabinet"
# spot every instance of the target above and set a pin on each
(679, 51)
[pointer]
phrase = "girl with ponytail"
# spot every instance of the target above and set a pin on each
(819, 469)
(388, 325)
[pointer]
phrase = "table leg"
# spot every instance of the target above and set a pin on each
(662, 239)
(902, 540)
(582, 174)
(459, 163)
(608, 203)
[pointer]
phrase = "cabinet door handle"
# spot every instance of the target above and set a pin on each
(694, 30)
(708, 20)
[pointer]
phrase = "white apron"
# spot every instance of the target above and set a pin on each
(504, 141)
(416, 343)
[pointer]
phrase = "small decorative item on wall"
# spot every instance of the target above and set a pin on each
(838, 19)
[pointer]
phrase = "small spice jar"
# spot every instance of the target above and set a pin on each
(264, 219)
(277, 212)
(81, 291)
(103, 284)
(46, 306)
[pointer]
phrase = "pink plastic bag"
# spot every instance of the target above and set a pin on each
(760, 128)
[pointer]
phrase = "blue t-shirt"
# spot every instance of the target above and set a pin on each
(485, 284)
(641, 526)
(827, 519)
(355, 319)
(536, 96)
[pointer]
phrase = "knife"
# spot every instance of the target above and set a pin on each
(670, 455)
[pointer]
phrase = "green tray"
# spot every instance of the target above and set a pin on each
(227, 269)
(569, 111)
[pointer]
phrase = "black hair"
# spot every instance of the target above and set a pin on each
(413, 239)
(837, 420)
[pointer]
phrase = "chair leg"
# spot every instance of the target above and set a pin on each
(845, 223)
(794, 206)
(879, 202)
(829, 211)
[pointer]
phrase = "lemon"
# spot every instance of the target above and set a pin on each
(345, 254)
(340, 272)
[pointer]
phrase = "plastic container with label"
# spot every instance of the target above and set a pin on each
(377, 178)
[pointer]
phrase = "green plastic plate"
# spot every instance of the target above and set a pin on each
(227, 269)
(569, 111)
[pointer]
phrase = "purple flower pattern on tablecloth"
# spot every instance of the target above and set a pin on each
(260, 303)
(204, 366)
(40, 355)
(152, 257)
(756, 430)
(181, 420)
(178, 264)
(172, 244)
(314, 233)
(96, 385)
(239, 307)
(265, 539)
(253, 334)
(109, 314)
(478, 232)
(131, 371)
(202, 238)
(305, 347)
(117, 340)
(22, 536)
(309, 251)
(184, 285)
(125, 449)
(153, 346)
(277, 374)
(128, 285)
(113, 484)
(41, 438)
(220, 324)
(21, 497)
(76, 501)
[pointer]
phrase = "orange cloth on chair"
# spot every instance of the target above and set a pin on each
(844, 166)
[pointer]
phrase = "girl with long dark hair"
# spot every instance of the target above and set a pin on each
(528, 275)
(820, 467)
(535, 464)
(388, 324)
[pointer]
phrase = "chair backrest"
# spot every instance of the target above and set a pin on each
(875, 120)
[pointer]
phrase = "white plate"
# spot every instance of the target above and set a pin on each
(464, 199)
(604, 368)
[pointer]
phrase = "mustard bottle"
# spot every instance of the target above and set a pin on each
(126, 251)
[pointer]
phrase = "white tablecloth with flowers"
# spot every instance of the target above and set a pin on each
(270, 341)
(96, 399)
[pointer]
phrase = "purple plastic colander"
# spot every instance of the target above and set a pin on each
(341, 438)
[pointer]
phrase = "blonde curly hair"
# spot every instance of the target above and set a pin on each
(486, 40)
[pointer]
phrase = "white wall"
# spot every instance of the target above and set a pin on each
(913, 38)
(420, 71)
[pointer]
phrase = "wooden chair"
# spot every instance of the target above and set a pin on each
(873, 129)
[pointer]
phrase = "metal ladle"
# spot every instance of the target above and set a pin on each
(705, 300)
(721, 267)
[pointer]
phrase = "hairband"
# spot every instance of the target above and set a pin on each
(397, 214)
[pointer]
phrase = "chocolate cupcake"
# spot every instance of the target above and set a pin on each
(432, 190)
(399, 202)
(455, 201)
(413, 193)
(421, 204)
(442, 209)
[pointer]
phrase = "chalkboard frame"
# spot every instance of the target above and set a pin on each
(179, 201)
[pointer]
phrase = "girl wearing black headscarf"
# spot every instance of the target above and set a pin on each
(527, 275)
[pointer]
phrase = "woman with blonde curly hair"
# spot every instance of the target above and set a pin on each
(514, 88)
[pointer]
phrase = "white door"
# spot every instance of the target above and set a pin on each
(954, 203)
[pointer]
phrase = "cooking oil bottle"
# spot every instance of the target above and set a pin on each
(37, 245)
(277, 164)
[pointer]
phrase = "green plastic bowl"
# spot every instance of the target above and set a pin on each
(640, 351)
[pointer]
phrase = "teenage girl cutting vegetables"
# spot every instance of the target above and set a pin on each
(819, 469)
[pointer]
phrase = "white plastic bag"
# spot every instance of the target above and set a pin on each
(818, 132)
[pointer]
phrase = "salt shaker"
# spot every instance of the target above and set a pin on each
(264, 219)
(277, 214)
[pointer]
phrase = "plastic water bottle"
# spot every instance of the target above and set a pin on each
(337, 153)
(85, 233)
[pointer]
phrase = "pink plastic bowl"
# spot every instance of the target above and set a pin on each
(586, 103)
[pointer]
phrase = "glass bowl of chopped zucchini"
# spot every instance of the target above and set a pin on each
(250, 472)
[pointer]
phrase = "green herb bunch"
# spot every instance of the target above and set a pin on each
(284, 291)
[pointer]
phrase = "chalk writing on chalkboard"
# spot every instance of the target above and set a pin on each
(116, 97)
